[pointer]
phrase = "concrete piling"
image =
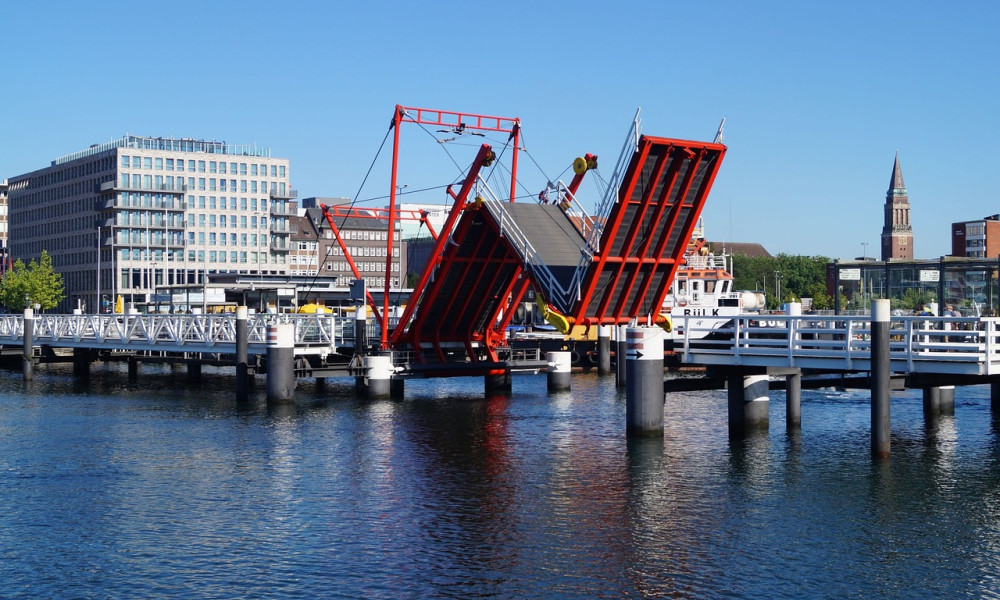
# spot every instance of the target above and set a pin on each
(242, 354)
(880, 379)
(29, 348)
(644, 396)
(559, 370)
(749, 403)
(793, 401)
(604, 350)
(620, 360)
(280, 363)
(378, 376)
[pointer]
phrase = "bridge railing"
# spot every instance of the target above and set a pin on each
(195, 333)
(927, 344)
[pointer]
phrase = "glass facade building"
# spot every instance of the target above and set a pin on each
(124, 217)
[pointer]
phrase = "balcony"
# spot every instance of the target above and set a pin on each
(280, 245)
(283, 209)
(289, 194)
(281, 228)
(163, 188)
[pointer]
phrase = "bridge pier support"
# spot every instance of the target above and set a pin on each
(559, 370)
(939, 401)
(242, 354)
(620, 360)
(498, 383)
(644, 395)
(28, 353)
(749, 402)
(793, 400)
(194, 372)
(133, 369)
(880, 379)
(378, 377)
(280, 363)
(995, 395)
(603, 350)
(81, 363)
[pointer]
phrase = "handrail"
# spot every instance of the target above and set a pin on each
(839, 342)
(182, 333)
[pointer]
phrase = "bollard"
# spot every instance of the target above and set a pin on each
(559, 370)
(29, 348)
(378, 376)
(620, 360)
(644, 396)
(242, 354)
(604, 350)
(880, 378)
(280, 363)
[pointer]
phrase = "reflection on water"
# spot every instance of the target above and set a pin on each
(160, 488)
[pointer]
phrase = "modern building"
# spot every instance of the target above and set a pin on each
(4, 262)
(976, 239)
(897, 234)
(143, 212)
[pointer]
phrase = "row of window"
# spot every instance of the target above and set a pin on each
(176, 238)
(156, 163)
(199, 256)
(179, 184)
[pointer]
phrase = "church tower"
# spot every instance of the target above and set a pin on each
(897, 235)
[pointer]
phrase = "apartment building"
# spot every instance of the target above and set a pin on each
(138, 212)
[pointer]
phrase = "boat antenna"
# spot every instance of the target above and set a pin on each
(720, 135)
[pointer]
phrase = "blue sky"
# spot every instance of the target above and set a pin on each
(817, 96)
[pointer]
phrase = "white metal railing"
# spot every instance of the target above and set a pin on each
(917, 344)
(559, 296)
(178, 333)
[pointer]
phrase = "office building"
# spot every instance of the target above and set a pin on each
(145, 212)
(976, 239)
(316, 250)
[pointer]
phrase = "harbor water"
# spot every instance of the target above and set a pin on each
(163, 489)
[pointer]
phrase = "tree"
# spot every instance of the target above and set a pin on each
(38, 283)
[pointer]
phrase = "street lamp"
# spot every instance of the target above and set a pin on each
(864, 250)
(777, 286)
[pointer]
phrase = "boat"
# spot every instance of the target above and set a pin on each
(702, 291)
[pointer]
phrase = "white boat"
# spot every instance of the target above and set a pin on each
(703, 290)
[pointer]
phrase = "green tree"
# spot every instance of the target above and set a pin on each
(799, 276)
(38, 283)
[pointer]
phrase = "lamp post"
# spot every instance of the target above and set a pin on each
(777, 286)
(864, 250)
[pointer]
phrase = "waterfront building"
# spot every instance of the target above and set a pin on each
(897, 234)
(976, 239)
(138, 212)
(315, 248)
(4, 262)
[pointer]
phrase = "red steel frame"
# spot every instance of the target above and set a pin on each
(458, 121)
(628, 262)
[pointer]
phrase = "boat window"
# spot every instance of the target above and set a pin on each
(681, 286)
(709, 287)
(695, 286)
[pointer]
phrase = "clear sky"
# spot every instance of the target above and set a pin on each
(818, 96)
